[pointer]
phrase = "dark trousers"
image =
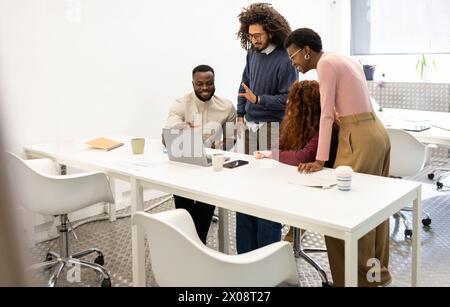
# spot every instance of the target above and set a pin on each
(201, 214)
(253, 232)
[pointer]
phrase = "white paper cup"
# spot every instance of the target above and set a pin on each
(217, 162)
(344, 176)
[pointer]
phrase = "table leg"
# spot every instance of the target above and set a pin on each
(416, 258)
(224, 231)
(137, 236)
(112, 206)
(351, 261)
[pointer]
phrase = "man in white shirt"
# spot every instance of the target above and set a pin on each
(216, 117)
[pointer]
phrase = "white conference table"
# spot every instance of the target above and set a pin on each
(397, 118)
(261, 189)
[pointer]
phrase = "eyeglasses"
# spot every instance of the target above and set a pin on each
(256, 36)
(295, 53)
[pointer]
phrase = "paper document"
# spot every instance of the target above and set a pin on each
(315, 180)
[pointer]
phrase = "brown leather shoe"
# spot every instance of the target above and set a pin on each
(290, 235)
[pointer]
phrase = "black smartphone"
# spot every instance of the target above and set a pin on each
(234, 164)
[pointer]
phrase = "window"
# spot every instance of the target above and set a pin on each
(400, 26)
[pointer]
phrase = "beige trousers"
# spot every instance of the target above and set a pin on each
(364, 145)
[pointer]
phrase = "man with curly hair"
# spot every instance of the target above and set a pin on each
(265, 84)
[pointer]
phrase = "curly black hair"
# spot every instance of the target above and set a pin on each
(272, 22)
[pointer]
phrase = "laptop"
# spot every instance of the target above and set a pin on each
(186, 146)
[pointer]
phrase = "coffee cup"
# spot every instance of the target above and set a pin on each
(137, 145)
(344, 176)
(217, 162)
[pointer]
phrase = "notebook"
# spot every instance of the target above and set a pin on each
(104, 144)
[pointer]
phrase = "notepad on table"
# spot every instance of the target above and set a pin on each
(104, 144)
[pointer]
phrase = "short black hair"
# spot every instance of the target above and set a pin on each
(202, 68)
(304, 37)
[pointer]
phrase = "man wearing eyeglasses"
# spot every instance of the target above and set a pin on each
(263, 92)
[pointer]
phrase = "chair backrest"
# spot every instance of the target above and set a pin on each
(40, 189)
(179, 258)
(408, 155)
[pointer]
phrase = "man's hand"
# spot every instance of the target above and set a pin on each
(248, 94)
(312, 167)
(183, 126)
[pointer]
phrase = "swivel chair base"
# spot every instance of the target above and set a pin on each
(426, 222)
(62, 260)
(300, 252)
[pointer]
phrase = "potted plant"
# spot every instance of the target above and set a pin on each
(423, 66)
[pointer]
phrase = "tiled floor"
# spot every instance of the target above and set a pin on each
(114, 239)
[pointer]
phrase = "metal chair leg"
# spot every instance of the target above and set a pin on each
(93, 266)
(54, 278)
(44, 265)
(87, 252)
(299, 252)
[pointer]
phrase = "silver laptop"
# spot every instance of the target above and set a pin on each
(186, 146)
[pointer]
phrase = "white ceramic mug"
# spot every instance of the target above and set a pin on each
(217, 162)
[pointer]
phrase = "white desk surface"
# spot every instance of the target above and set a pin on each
(396, 117)
(260, 188)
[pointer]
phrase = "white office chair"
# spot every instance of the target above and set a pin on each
(180, 259)
(40, 189)
(408, 157)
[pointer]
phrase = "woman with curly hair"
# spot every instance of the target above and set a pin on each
(300, 130)
(300, 127)
(265, 83)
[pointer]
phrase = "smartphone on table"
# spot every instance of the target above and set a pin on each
(234, 164)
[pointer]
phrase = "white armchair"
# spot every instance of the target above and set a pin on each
(408, 157)
(41, 190)
(180, 259)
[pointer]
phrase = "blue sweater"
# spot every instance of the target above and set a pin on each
(269, 76)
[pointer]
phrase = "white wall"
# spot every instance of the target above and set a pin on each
(74, 68)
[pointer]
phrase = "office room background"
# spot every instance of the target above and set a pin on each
(87, 68)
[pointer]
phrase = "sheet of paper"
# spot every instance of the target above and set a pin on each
(315, 180)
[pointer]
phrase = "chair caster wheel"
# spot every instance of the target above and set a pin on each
(100, 260)
(326, 285)
(426, 222)
(439, 185)
(408, 234)
(431, 176)
(48, 257)
(106, 283)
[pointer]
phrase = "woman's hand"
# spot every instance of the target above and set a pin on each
(266, 154)
(311, 167)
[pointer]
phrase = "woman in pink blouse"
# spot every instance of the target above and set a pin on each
(363, 142)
